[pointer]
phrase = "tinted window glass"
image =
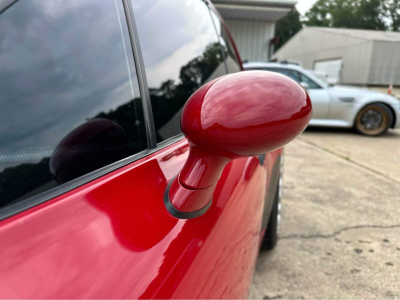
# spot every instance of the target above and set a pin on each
(232, 61)
(287, 72)
(297, 76)
(69, 100)
(181, 52)
(311, 83)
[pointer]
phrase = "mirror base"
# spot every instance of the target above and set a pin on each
(179, 214)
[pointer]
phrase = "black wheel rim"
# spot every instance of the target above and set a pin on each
(371, 119)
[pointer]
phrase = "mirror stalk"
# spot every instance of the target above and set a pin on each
(238, 115)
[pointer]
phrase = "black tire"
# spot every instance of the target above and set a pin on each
(386, 119)
(271, 234)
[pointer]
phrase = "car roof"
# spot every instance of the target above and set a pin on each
(272, 65)
(289, 66)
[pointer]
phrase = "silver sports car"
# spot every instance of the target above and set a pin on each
(369, 112)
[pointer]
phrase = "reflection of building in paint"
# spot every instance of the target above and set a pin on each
(252, 24)
(348, 56)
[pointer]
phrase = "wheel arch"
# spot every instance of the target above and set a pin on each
(377, 102)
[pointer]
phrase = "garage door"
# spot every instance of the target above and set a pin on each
(330, 67)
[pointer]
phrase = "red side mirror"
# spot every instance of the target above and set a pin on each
(238, 115)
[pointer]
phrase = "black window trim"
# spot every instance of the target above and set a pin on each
(6, 4)
(33, 201)
(152, 145)
(218, 36)
(141, 75)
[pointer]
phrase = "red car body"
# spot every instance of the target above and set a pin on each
(114, 238)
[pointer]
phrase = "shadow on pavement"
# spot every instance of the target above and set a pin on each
(391, 133)
(330, 130)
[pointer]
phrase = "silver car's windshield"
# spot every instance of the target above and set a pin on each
(320, 75)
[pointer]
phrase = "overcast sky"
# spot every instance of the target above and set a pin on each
(304, 5)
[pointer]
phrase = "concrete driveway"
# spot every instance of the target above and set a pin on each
(340, 229)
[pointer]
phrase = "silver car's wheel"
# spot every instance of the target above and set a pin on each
(374, 119)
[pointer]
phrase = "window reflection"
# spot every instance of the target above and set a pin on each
(232, 61)
(63, 63)
(181, 52)
(297, 76)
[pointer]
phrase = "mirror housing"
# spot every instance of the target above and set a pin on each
(237, 115)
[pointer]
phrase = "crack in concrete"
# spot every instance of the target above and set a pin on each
(349, 160)
(334, 234)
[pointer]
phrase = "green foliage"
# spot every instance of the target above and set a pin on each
(288, 27)
(358, 14)
(392, 8)
(319, 14)
(361, 14)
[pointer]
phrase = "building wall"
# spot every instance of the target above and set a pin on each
(312, 45)
(385, 64)
(356, 63)
(252, 38)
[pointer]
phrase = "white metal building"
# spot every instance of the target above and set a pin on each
(252, 24)
(349, 56)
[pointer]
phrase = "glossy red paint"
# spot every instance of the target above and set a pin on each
(189, 200)
(113, 237)
(238, 115)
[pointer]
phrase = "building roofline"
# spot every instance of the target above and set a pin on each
(263, 3)
(254, 10)
(347, 31)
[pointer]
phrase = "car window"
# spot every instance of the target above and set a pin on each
(311, 83)
(181, 52)
(287, 72)
(69, 101)
(295, 75)
(232, 61)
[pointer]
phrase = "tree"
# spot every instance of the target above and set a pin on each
(392, 8)
(371, 15)
(288, 27)
(361, 14)
(319, 14)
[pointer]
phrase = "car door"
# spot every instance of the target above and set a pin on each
(83, 168)
(319, 96)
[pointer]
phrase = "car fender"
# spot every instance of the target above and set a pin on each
(346, 104)
(394, 108)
